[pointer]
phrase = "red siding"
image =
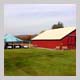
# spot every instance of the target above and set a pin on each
(54, 43)
(73, 40)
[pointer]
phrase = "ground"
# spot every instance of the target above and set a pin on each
(39, 62)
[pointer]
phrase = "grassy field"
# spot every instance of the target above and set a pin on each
(39, 62)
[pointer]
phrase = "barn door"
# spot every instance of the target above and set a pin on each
(72, 42)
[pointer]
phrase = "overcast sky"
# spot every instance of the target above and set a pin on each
(22, 19)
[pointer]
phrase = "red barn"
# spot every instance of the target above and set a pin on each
(61, 38)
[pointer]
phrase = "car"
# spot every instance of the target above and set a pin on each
(25, 46)
(9, 47)
(17, 46)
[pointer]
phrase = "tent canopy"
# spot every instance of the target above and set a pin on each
(11, 38)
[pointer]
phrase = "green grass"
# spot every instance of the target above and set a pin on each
(39, 62)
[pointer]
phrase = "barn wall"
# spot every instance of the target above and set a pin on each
(66, 40)
(53, 43)
(46, 43)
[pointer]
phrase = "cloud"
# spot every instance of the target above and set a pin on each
(31, 18)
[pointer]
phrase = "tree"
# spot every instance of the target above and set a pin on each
(59, 25)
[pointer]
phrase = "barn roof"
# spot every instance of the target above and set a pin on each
(54, 33)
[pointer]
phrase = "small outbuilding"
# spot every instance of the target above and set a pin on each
(61, 38)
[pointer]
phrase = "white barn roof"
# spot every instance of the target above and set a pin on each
(54, 33)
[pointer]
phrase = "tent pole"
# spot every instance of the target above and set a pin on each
(29, 44)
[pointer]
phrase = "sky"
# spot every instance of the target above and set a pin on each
(22, 19)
